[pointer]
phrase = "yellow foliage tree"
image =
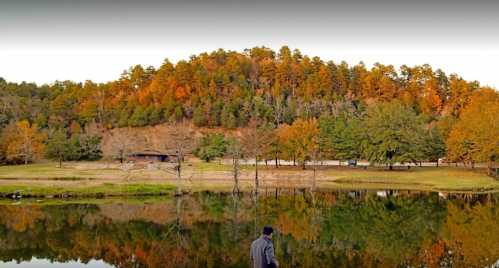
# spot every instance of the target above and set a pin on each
(300, 140)
(23, 142)
(474, 138)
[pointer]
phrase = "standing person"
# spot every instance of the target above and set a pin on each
(262, 250)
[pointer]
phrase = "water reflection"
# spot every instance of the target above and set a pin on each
(315, 229)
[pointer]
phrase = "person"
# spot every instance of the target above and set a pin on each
(262, 250)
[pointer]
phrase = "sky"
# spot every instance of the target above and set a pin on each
(47, 40)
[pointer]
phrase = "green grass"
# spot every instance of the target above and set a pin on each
(51, 171)
(138, 200)
(46, 179)
(428, 178)
(216, 166)
(105, 189)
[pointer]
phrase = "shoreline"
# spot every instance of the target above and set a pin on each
(46, 180)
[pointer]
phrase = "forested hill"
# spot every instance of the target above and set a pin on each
(300, 108)
(226, 88)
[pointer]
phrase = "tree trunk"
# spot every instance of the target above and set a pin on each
(276, 163)
(390, 167)
(179, 174)
(489, 168)
(437, 163)
(235, 163)
(255, 205)
(315, 174)
(60, 162)
(303, 165)
(256, 174)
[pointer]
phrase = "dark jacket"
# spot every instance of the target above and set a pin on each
(262, 253)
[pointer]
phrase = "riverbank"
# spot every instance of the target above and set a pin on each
(98, 179)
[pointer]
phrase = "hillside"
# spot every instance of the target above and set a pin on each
(384, 114)
(226, 88)
(149, 137)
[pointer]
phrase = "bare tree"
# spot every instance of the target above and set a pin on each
(315, 155)
(122, 142)
(180, 139)
(234, 150)
(255, 139)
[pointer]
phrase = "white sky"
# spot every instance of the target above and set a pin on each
(47, 40)
(45, 65)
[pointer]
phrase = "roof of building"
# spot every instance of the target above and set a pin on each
(154, 152)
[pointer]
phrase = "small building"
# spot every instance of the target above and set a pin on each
(152, 156)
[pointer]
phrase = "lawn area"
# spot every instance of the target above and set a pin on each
(51, 170)
(201, 166)
(431, 178)
(102, 190)
(104, 179)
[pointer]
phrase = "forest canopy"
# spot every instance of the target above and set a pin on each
(228, 89)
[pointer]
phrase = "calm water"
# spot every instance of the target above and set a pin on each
(325, 229)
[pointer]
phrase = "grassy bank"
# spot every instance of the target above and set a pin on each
(425, 178)
(102, 190)
(101, 179)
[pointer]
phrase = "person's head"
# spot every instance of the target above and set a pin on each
(267, 230)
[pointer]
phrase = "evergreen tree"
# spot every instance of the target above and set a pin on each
(433, 146)
(393, 134)
(341, 136)
(228, 118)
(123, 118)
(58, 147)
(211, 146)
(199, 117)
(153, 115)
(138, 118)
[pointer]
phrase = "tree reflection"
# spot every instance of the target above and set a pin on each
(314, 229)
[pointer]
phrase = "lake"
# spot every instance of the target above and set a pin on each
(321, 229)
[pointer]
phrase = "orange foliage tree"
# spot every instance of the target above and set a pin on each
(474, 138)
(300, 140)
(23, 142)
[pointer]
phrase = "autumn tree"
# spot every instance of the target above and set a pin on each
(431, 102)
(460, 92)
(273, 150)
(474, 138)
(288, 150)
(254, 139)
(393, 134)
(23, 142)
(302, 139)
